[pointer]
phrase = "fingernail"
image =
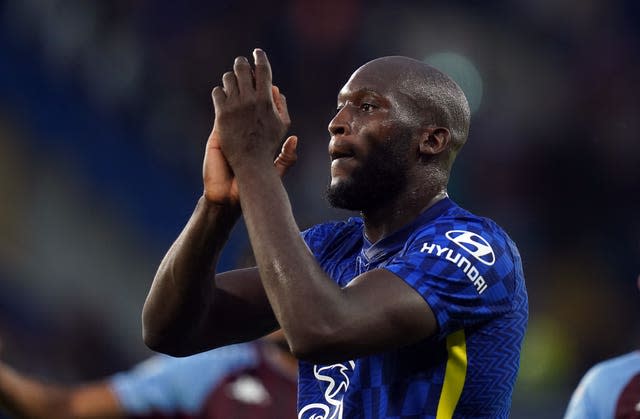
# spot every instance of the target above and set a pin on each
(256, 51)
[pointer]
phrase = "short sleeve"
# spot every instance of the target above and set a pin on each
(338, 237)
(315, 238)
(580, 406)
(173, 386)
(466, 274)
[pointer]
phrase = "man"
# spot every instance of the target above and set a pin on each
(610, 389)
(416, 309)
(249, 381)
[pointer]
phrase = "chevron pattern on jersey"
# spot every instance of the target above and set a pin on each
(469, 272)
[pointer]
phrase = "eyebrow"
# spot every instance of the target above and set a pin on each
(359, 93)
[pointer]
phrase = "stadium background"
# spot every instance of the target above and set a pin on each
(105, 108)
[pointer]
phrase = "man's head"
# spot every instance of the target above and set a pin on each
(400, 124)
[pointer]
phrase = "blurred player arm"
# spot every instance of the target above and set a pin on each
(28, 398)
(189, 308)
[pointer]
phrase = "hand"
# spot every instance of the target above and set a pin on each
(220, 186)
(249, 122)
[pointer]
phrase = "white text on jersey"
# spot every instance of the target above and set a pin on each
(462, 262)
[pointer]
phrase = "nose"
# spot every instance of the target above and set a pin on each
(339, 125)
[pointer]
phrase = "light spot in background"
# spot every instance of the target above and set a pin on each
(463, 72)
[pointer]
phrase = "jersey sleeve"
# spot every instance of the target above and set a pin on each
(317, 237)
(178, 386)
(466, 273)
(581, 405)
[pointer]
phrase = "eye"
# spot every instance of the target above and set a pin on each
(367, 107)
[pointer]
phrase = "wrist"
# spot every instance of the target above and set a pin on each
(253, 166)
(216, 209)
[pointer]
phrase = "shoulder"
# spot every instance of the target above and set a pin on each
(334, 228)
(466, 245)
(620, 368)
(215, 361)
(478, 237)
(610, 375)
(166, 384)
(458, 218)
(332, 231)
(600, 388)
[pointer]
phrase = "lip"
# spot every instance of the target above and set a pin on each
(340, 147)
(342, 165)
(342, 160)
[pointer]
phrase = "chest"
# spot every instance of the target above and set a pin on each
(348, 261)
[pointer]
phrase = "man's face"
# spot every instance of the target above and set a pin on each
(370, 145)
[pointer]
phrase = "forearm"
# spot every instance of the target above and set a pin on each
(182, 291)
(28, 398)
(306, 302)
(25, 398)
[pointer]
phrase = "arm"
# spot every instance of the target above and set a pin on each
(190, 309)
(321, 321)
(28, 398)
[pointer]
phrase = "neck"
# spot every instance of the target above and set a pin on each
(381, 222)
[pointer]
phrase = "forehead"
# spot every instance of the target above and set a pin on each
(365, 80)
(390, 79)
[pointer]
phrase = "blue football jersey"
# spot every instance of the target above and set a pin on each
(470, 273)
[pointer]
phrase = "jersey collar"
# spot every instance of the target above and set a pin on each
(396, 240)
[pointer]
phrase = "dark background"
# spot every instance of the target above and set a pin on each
(105, 109)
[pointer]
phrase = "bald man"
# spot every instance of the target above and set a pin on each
(415, 309)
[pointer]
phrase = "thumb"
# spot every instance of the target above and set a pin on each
(288, 156)
(280, 105)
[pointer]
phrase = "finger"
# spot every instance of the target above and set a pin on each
(289, 148)
(242, 70)
(288, 156)
(230, 84)
(275, 94)
(263, 72)
(280, 103)
(218, 96)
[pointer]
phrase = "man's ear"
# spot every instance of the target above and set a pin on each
(434, 140)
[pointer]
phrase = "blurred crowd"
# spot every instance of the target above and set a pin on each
(105, 108)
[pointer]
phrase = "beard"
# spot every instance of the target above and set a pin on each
(380, 179)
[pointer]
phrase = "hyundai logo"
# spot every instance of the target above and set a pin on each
(478, 247)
